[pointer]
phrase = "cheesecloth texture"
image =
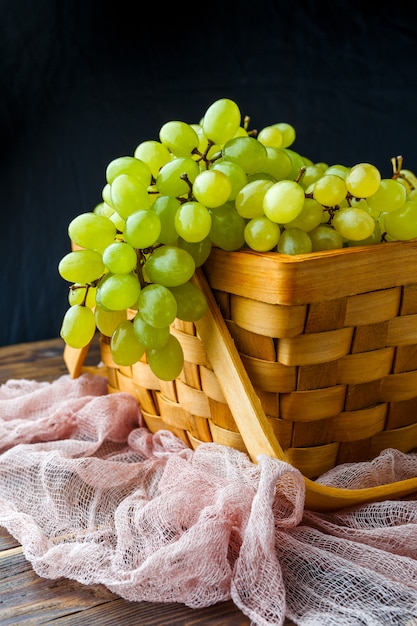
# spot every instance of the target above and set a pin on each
(93, 496)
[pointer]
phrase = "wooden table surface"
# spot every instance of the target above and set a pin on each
(29, 600)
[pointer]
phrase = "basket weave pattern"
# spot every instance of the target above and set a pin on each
(330, 346)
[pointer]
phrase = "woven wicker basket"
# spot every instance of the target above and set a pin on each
(311, 358)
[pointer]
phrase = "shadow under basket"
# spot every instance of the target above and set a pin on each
(311, 359)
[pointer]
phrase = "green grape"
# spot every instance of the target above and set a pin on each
(312, 214)
(81, 266)
(108, 321)
(142, 229)
(78, 326)
(311, 174)
(249, 200)
(150, 336)
(192, 221)
(166, 208)
(353, 223)
(157, 305)
(89, 230)
(287, 132)
(294, 241)
(199, 250)
(390, 196)
(221, 121)
(337, 170)
(169, 266)
(247, 152)
(212, 188)
(284, 201)
(129, 165)
(128, 195)
(170, 181)
(120, 258)
(117, 292)
(191, 302)
(154, 154)
(106, 195)
(261, 234)
(82, 294)
(297, 164)
(205, 147)
(167, 362)
(376, 237)
(235, 174)
(125, 348)
(179, 137)
(325, 237)
(103, 209)
(329, 190)
(278, 163)
(227, 227)
(363, 180)
(401, 224)
(270, 136)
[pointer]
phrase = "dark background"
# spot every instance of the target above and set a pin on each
(85, 81)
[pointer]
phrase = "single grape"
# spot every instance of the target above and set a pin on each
(311, 174)
(106, 195)
(363, 180)
(191, 302)
(150, 336)
(192, 221)
(157, 305)
(284, 201)
(312, 214)
(325, 237)
(125, 348)
(170, 180)
(247, 152)
(353, 223)
(294, 241)
(169, 266)
(117, 292)
(89, 230)
(227, 227)
(167, 362)
(212, 188)
(261, 234)
(142, 229)
(166, 208)
(297, 164)
(329, 190)
(128, 195)
(390, 196)
(120, 258)
(337, 170)
(81, 266)
(249, 200)
(129, 165)
(221, 121)
(108, 321)
(78, 326)
(278, 163)
(154, 154)
(103, 209)
(270, 136)
(401, 224)
(179, 137)
(199, 250)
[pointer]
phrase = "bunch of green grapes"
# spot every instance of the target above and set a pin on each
(212, 183)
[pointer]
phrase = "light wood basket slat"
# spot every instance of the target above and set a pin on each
(311, 359)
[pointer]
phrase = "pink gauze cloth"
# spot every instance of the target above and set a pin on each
(93, 496)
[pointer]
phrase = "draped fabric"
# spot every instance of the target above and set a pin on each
(93, 496)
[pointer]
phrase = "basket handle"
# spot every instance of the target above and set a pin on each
(253, 423)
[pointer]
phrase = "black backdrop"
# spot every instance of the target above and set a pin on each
(85, 81)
